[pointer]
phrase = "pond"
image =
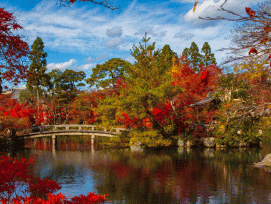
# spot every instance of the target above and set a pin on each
(174, 175)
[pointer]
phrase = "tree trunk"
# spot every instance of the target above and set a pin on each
(1, 88)
(156, 125)
(38, 101)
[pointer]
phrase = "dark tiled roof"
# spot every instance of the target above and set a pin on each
(209, 98)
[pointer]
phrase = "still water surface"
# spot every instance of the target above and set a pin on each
(167, 176)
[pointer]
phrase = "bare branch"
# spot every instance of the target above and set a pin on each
(253, 34)
(105, 3)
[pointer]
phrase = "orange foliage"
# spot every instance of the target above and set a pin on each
(82, 108)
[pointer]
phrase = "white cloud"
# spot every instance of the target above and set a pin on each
(130, 59)
(72, 64)
(62, 66)
(114, 32)
(113, 43)
(96, 59)
(210, 8)
(91, 32)
(87, 67)
(186, 36)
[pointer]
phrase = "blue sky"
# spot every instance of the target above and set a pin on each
(85, 34)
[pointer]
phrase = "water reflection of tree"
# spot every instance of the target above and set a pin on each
(186, 178)
(172, 176)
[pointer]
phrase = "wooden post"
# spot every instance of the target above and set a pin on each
(44, 142)
(53, 141)
(92, 139)
(35, 142)
(118, 130)
(92, 143)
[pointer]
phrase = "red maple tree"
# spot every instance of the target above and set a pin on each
(13, 49)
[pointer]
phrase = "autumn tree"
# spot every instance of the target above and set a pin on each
(197, 86)
(207, 57)
(82, 109)
(13, 50)
(106, 74)
(15, 116)
(147, 85)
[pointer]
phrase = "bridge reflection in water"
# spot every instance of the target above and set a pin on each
(79, 130)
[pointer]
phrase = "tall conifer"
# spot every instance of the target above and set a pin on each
(37, 77)
(208, 57)
(193, 56)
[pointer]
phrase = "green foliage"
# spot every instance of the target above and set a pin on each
(150, 138)
(193, 56)
(121, 141)
(238, 87)
(208, 57)
(166, 57)
(246, 130)
(26, 96)
(105, 75)
(147, 84)
(37, 68)
(63, 84)
(69, 78)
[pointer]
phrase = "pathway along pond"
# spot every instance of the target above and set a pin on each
(167, 176)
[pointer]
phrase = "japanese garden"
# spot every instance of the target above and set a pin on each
(169, 128)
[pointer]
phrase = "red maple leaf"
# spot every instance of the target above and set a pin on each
(250, 12)
(253, 50)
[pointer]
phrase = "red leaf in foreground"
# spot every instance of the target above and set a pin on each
(253, 50)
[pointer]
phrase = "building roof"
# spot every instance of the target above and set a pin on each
(209, 98)
(15, 92)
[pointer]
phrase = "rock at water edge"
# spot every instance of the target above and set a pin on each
(265, 162)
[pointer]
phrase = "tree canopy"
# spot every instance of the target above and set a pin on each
(106, 74)
(37, 76)
(13, 50)
(195, 58)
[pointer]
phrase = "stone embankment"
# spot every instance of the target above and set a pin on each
(210, 142)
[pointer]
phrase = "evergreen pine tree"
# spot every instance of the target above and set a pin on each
(208, 57)
(193, 56)
(166, 57)
(37, 77)
(37, 68)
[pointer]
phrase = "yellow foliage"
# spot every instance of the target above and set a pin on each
(265, 122)
(252, 71)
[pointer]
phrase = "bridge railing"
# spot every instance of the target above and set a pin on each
(50, 128)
